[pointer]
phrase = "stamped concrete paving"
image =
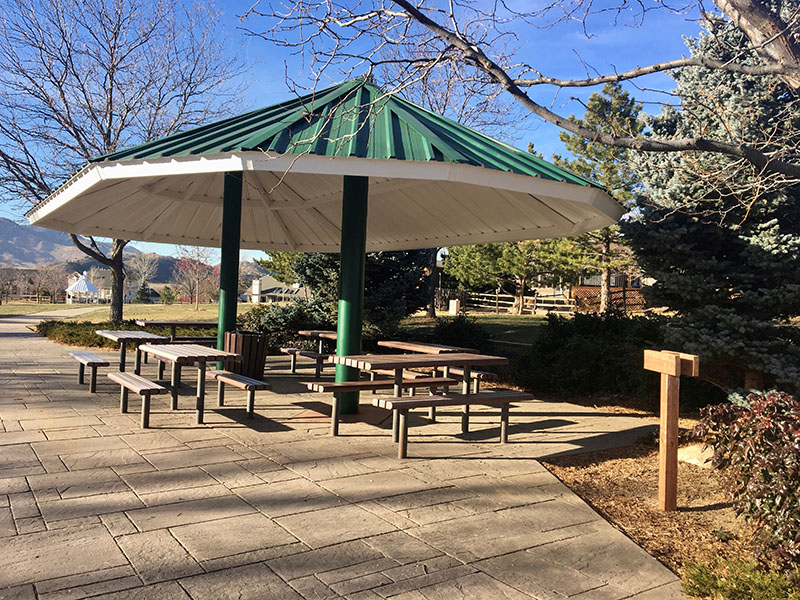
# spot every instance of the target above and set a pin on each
(93, 506)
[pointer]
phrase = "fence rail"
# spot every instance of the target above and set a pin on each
(578, 299)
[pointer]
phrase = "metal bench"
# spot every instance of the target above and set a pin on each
(401, 406)
(138, 385)
(295, 352)
(250, 385)
(362, 386)
(87, 359)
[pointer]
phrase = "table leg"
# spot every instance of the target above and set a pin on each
(504, 409)
(446, 373)
(398, 393)
(172, 329)
(174, 381)
(123, 348)
(321, 347)
(465, 390)
(137, 367)
(201, 389)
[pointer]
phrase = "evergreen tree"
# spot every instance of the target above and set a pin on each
(394, 282)
(514, 266)
(724, 256)
(611, 111)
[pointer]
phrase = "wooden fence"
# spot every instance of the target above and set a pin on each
(578, 299)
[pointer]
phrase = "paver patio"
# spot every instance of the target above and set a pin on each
(93, 506)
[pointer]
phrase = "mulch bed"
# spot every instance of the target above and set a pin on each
(622, 485)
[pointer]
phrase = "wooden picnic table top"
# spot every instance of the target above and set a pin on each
(424, 348)
(372, 362)
(187, 353)
(147, 322)
(325, 334)
(123, 335)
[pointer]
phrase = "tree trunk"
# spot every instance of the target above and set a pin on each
(431, 283)
(117, 283)
(197, 295)
(605, 285)
(605, 274)
(520, 295)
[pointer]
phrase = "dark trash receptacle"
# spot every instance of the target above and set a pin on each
(252, 347)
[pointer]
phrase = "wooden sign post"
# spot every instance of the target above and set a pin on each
(671, 365)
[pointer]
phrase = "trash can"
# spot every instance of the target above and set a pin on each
(253, 348)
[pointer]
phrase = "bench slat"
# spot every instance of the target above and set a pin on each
(480, 375)
(485, 399)
(240, 381)
(89, 359)
(386, 384)
(137, 384)
(306, 353)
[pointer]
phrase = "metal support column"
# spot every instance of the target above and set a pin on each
(229, 255)
(351, 282)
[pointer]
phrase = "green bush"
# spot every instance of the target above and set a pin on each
(281, 322)
(740, 580)
(601, 354)
(758, 446)
(82, 333)
(461, 331)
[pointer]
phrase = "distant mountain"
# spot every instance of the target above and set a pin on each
(30, 246)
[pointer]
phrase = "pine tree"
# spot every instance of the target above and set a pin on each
(611, 111)
(724, 255)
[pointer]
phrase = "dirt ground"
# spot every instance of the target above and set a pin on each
(622, 485)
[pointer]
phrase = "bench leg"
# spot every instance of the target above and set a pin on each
(123, 399)
(145, 411)
(335, 408)
(445, 373)
(220, 392)
(175, 381)
(293, 363)
(465, 419)
(432, 414)
(476, 386)
(161, 365)
(81, 371)
(412, 391)
(201, 390)
(93, 380)
(251, 403)
(504, 423)
(145, 357)
(137, 365)
(318, 369)
(402, 446)
(372, 377)
(395, 425)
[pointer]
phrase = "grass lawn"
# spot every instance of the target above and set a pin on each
(161, 312)
(28, 308)
(509, 328)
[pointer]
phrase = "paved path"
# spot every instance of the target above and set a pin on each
(93, 506)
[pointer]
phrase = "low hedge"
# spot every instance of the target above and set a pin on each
(82, 333)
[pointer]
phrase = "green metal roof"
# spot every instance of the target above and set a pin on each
(355, 118)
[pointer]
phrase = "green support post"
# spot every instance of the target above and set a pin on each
(351, 282)
(229, 255)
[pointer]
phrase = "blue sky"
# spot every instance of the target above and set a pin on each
(557, 51)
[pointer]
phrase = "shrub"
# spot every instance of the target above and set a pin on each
(82, 333)
(740, 580)
(601, 354)
(461, 331)
(281, 322)
(758, 445)
(167, 295)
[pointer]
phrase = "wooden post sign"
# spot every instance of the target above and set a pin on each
(671, 365)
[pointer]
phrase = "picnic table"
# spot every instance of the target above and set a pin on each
(173, 325)
(399, 362)
(319, 334)
(424, 348)
(135, 337)
(188, 354)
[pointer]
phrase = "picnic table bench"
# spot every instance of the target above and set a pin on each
(87, 359)
(318, 357)
(401, 406)
(138, 385)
